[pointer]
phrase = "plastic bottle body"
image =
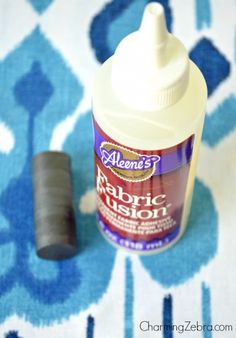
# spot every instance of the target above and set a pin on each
(154, 130)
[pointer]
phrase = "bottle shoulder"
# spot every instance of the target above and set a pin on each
(157, 129)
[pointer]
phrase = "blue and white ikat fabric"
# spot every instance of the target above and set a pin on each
(49, 53)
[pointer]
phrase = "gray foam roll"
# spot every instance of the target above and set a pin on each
(53, 206)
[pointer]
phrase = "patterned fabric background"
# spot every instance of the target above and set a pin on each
(49, 53)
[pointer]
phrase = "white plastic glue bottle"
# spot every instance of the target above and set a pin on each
(149, 106)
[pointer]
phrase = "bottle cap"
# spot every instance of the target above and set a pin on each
(150, 67)
(53, 206)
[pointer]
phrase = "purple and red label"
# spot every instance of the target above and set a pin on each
(140, 193)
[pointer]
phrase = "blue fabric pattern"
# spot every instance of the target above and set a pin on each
(12, 334)
(206, 309)
(167, 316)
(46, 66)
(203, 13)
(214, 73)
(40, 6)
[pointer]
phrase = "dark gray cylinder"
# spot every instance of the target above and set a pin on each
(53, 206)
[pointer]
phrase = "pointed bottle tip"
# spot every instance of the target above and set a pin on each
(150, 67)
(153, 25)
(155, 8)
